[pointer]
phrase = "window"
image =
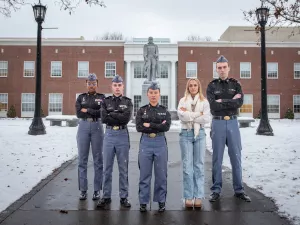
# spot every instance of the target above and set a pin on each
(83, 69)
(56, 69)
(55, 103)
(110, 69)
(296, 70)
(247, 105)
(245, 70)
(29, 69)
(3, 68)
(163, 70)
(215, 73)
(272, 70)
(273, 103)
(28, 101)
(296, 104)
(137, 99)
(138, 70)
(164, 100)
(3, 102)
(191, 70)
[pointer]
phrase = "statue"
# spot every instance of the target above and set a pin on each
(150, 60)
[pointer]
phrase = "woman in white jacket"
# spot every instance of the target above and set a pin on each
(194, 112)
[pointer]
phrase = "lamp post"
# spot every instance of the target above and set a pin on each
(37, 126)
(264, 127)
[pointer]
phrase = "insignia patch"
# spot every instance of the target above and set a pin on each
(98, 100)
(123, 106)
(162, 114)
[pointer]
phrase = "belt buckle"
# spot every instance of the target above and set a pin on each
(152, 135)
(116, 127)
(226, 118)
(89, 119)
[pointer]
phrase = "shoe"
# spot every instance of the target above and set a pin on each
(197, 203)
(214, 197)
(83, 195)
(189, 203)
(143, 208)
(243, 196)
(125, 203)
(162, 207)
(96, 195)
(103, 202)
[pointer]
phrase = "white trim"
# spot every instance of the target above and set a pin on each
(196, 75)
(62, 105)
(60, 69)
(244, 70)
(274, 115)
(33, 68)
(4, 113)
(273, 78)
(88, 63)
(296, 78)
(296, 115)
(6, 67)
(215, 71)
(27, 113)
(105, 68)
(247, 114)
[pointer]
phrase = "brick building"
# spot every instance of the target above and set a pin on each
(66, 62)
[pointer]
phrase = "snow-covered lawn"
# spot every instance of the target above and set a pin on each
(25, 160)
(272, 164)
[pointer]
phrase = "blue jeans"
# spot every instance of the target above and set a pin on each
(192, 155)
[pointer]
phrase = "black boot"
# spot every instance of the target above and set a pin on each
(96, 195)
(125, 203)
(162, 207)
(103, 202)
(83, 195)
(214, 197)
(243, 196)
(143, 208)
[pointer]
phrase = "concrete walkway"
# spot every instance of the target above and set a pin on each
(55, 200)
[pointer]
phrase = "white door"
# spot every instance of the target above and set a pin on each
(247, 108)
(55, 104)
(274, 106)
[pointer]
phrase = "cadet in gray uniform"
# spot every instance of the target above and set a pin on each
(116, 112)
(90, 132)
(153, 120)
(225, 97)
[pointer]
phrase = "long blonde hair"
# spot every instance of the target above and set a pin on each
(187, 92)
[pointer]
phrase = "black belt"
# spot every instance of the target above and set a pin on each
(116, 127)
(91, 119)
(224, 117)
(153, 135)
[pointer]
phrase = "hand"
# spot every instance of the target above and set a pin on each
(146, 124)
(83, 110)
(183, 109)
(163, 122)
(237, 96)
(219, 100)
(201, 113)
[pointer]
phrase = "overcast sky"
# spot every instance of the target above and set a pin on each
(173, 19)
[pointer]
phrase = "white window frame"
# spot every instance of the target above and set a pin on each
(138, 66)
(186, 70)
(115, 69)
(272, 71)
(249, 64)
(4, 68)
(85, 70)
(298, 70)
(163, 64)
(215, 73)
(274, 115)
(52, 69)
(24, 69)
(167, 99)
(27, 113)
(134, 108)
(4, 96)
(247, 114)
(296, 114)
(51, 102)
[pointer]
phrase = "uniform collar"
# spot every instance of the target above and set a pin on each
(91, 93)
(153, 106)
(223, 81)
(115, 97)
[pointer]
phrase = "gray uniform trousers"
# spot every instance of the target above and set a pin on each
(90, 133)
(116, 142)
(226, 132)
(153, 150)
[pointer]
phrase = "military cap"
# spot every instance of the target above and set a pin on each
(154, 86)
(92, 77)
(222, 59)
(117, 79)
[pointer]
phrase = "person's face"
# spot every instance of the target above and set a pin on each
(193, 87)
(117, 88)
(223, 69)
(91, 86)
(153, 96)
(150, 40)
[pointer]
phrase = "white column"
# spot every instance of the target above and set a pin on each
(128, 79)
(173, 86)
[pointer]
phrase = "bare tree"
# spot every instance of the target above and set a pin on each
(194, 37)
(110, 36)
(283, 13)
(8, 6)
